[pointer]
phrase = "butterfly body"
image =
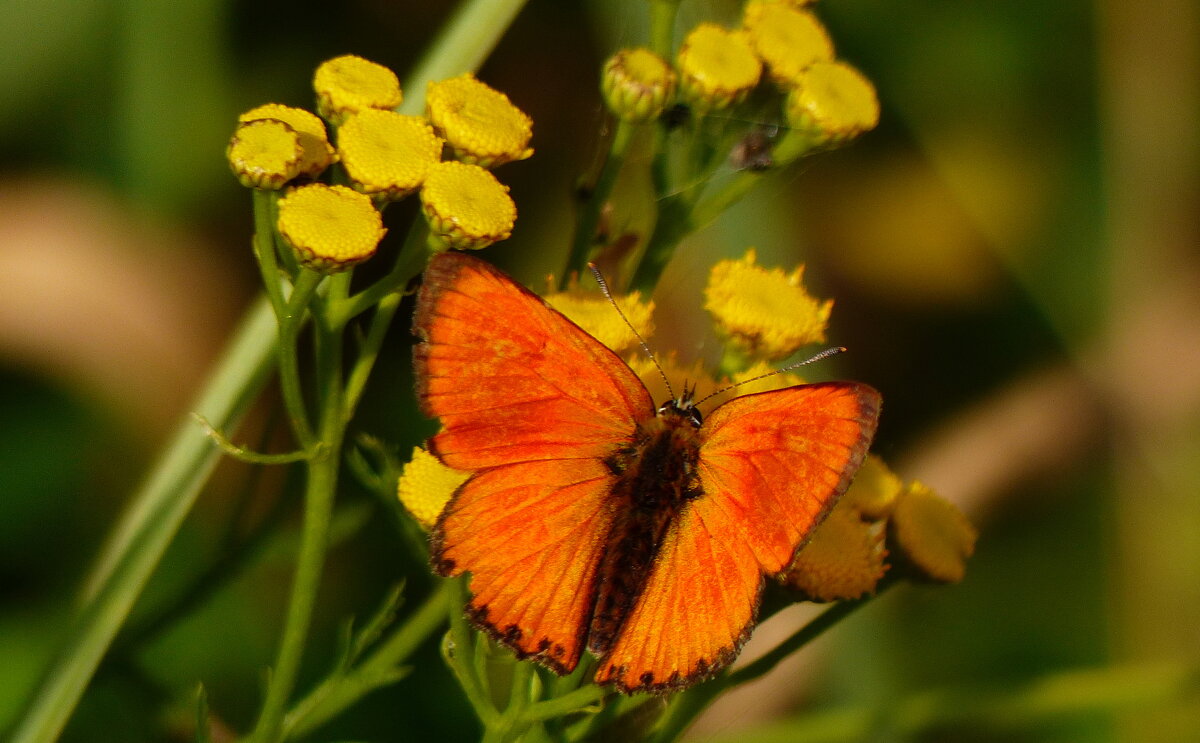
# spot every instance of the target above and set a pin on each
(594, 521)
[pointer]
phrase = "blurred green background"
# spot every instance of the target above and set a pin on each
(1013, 254)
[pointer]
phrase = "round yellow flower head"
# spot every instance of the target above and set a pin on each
(932, 535)
(426, 485)
(874, 490)
(766, 314)
(265, 154)
(318, 154)
(717, 67)
(843, 560)
(348, 84)
(466, 207)
(832, 103)
(479, 123)
(594, 314)
(787, 38)
(638, 85)
(331, 228)
(386, 154)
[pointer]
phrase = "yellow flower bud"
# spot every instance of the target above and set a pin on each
(932, 535)
(387, 154)
(348, 84)
(331, 228)
(426, 486)
(318, 154)
(265, 154)
(786, 38)
(466, 207)
(831, 103)
(637, 85)
(717, 67)
(765, 314)
(480, 124)
(874, 490)
(843, 560)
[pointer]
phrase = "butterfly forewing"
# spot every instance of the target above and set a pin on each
(511, 379)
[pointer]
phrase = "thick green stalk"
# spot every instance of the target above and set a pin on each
(148, 525)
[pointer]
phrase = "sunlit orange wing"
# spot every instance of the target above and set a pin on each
(533, 404)
(511, 379)
(771, 466)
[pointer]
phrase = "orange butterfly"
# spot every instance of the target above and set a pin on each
(593, 520)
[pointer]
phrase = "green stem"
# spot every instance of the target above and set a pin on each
(589, 217)
(662, 27)
(459, 653)
(290, 323)
(337, 694)
(565, 704)
(264, 246)
(411, 260)
(314, 540)
(673, 223)
(148, 525)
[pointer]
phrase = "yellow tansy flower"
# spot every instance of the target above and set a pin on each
(387, 154)
(347, 84)
(766, 314)
(479, 123)
(831, 103)
(874, 490)
(717, 67)
(330, 227)
(932, 535)
(787, 38)
(595, 315)
(466, 207)
(843, 560)
(318, 154)
(265, 154)
(426, 485)
(637, 85)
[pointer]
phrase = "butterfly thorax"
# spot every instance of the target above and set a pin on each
(655, 478)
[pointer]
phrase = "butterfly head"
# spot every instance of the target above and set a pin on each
(683, 406)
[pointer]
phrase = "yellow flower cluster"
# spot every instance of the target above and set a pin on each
(828, 101)
(926, 538)
(385, 156)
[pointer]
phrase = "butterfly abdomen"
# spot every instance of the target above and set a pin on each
(656, 477)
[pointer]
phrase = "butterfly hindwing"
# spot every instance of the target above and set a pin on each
(771, 465)
(532, 535)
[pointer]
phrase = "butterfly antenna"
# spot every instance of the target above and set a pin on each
(819, 357)
(645, 346)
